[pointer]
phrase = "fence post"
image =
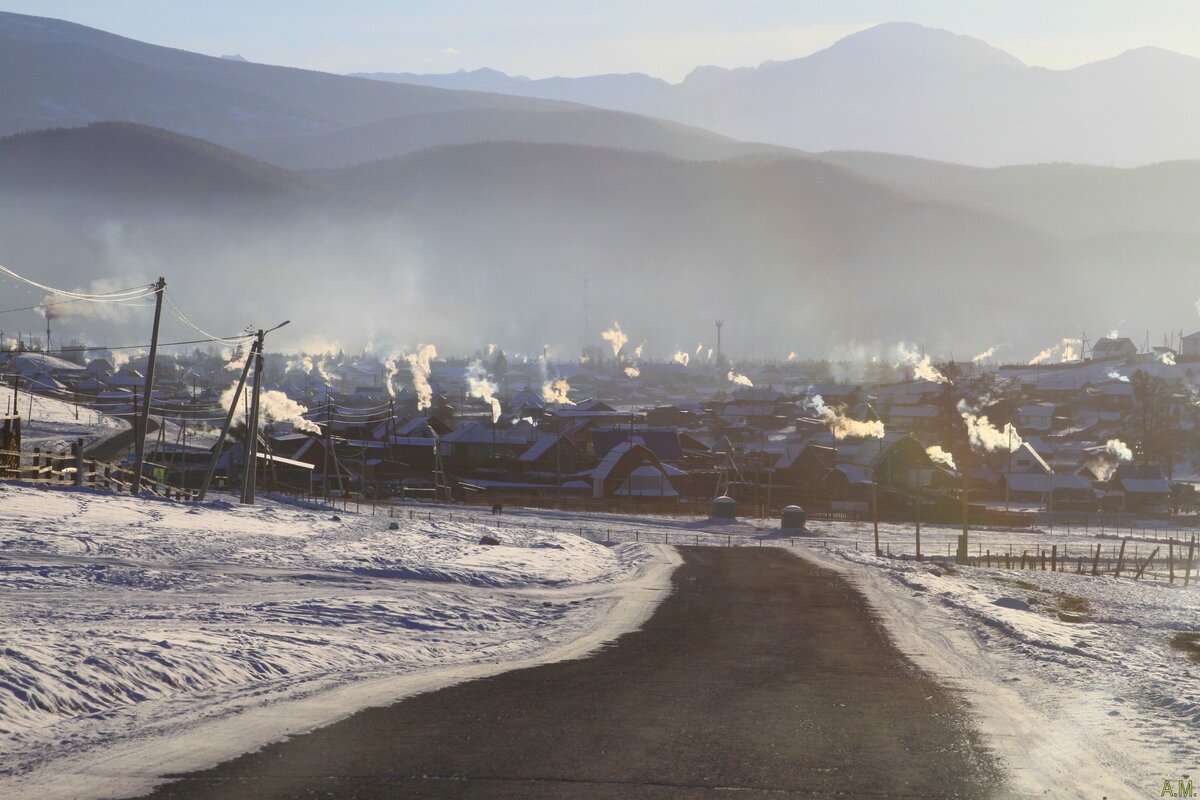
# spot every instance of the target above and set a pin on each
(1096, 562)
(1121, 557)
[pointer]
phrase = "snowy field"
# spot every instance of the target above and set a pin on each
(142, 637)
(52, 424)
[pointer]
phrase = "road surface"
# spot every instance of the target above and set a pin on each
(761, 676)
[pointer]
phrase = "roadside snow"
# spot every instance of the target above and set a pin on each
(52, 425)
(1074, 677)
(142, 637)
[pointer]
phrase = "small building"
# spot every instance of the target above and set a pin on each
(1191, 346)
(1106, 348)
(633, 471)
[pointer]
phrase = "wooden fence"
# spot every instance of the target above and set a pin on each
(72, 469)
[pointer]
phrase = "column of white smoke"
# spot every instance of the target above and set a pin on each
(842, 426)
(985, 436)
(556, 391)
(1104, 464)
(616, 338)
(273, 406)
(985, 354)
(940, 456)
(481, 386)
(739, 379)
(420, 365)
(922, 366)
(681, 358)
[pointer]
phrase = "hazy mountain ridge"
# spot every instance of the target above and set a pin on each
(903, 88)
(794, 254)
(58, 74)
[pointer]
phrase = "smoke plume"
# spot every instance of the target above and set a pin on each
(481, 385)
(985, 354)
(842, 426)
(681, 358)
(1116, 376)
(740, 380)
(419, 364)
(616, 338)
(940, 456)
(273, 406)
(922, 367)
(556, 392)
(632, 372)
(985, 436)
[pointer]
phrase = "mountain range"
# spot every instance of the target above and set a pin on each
(365, 210)
(911, 90)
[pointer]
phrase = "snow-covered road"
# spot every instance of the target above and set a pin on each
(142, 637)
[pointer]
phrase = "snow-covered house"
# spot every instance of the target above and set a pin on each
(1107, 348)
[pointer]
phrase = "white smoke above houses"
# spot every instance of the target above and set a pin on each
(273, 406)
(1167, 358)
(615, 338)
(842, 426)
(1118, 450)
(557, 391)
(986, 437)
(940, 456)
(739, 379)
(985, 354)
(1066, 347)
(420, 364)
(632, 372)
(922, 366)
(681, 357)
(700, 346)
(637, 351)
(1104, 464)
(480, 385)
(792, 356)
(119, 359)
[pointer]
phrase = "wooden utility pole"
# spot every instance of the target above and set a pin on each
(966, 510)
(918, 515)
(251, 471)
(216, 453)
(141, 422)
(875, 515)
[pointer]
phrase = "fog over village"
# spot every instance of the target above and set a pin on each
(344, 404)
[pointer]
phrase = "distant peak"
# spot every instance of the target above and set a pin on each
(899, 37)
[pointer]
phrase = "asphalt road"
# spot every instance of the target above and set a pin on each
(762, 675)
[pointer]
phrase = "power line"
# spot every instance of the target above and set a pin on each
(106, 297)
(187, 321)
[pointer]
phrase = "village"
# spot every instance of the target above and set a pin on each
(1110, 430)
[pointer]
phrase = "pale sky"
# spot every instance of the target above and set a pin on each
(665, 38)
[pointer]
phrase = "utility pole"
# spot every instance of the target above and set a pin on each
(216, 453)
(720, 323)
(250, 474)
(140, 424)
(966, 510)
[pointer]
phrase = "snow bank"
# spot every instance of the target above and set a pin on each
(1075, 678)
(131, 627)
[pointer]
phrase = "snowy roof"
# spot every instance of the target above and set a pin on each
(539, 448)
